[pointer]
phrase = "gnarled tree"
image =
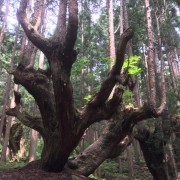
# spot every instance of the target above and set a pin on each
(61, 124)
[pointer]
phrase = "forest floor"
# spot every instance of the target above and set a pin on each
(38, 174)
(31, 172)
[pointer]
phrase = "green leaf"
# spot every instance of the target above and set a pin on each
(88, 97)
(131, 63)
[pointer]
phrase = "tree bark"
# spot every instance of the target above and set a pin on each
(111, 32)
(151, 66)
(153, 154)
(60, 124)
(131, 175)
(54, 155)
(33, 142)
(153, 147)
(111, 143)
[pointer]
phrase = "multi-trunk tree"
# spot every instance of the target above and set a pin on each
(61, 125)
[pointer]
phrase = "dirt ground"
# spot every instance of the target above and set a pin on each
(32, 172)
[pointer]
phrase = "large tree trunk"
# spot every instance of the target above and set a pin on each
(60, 124)
(153, 145)
(61, 128)
(153, 154)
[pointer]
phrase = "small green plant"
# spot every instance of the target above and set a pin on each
(131, 63)
(88, 98)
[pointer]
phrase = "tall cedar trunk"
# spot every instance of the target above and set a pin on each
(82, 51)
(177, 60)
(121, 17)
(33, 142)
(111, 32)
(130, 163)
(151, 66)
(163, 85)
(170, 62)
(153, 144)
(146, 73)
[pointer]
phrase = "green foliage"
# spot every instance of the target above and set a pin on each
(80, 64)
(131, 63)
(88, 98)
(128, 97)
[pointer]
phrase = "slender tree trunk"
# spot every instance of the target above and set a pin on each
(169, 58)
(130, 163)
(83, 54)
(163, 85)
(22, 152)
(150, 61)
(111, 32)
(41, 60)
(177, 60)
(121, 17)
(173, 172)
(33, 143)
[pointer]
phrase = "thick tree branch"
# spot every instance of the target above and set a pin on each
(60, 32)
(39, 86)
(105, 112)
(31, 31)
(111, 80)
(27, 120)
(120, 127)
(71, 35)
